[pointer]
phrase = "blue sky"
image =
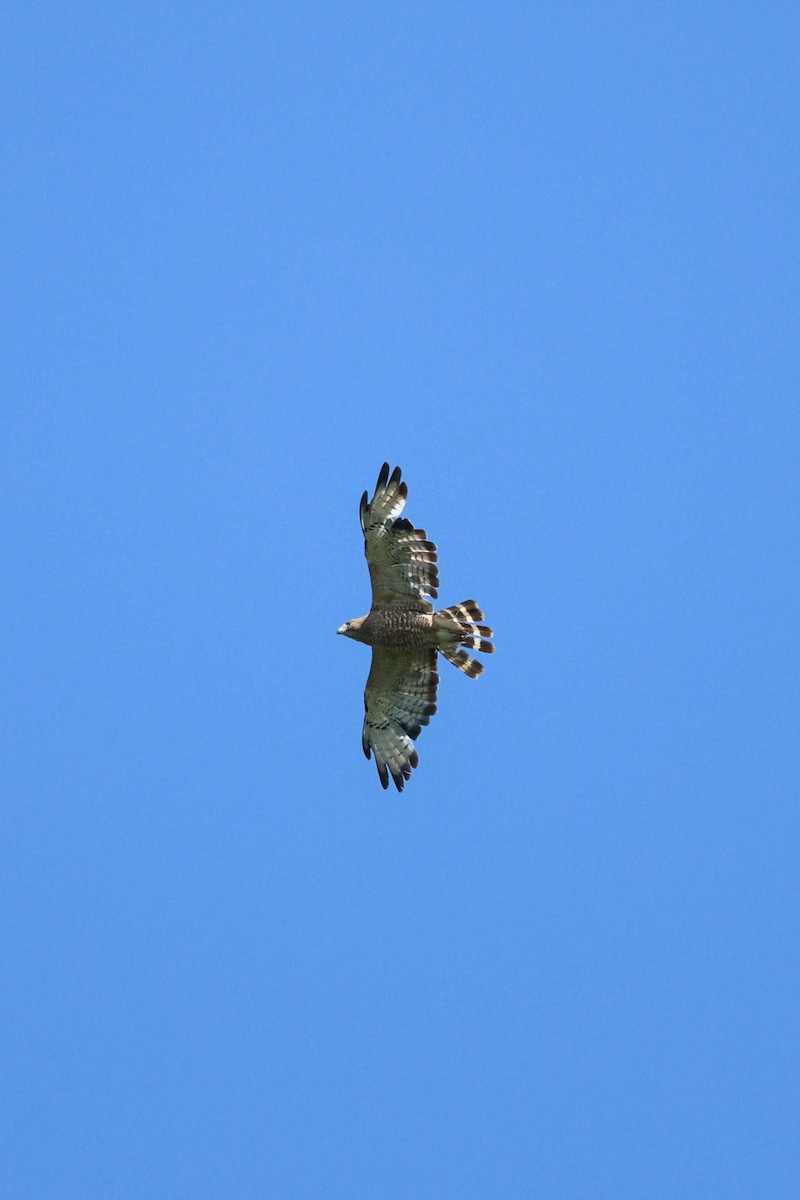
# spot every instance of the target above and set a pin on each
(543, 256)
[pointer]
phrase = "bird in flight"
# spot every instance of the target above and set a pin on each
(405, 632)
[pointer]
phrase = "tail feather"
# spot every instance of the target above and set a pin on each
(459, 631)
(459, 658)
(468, 610)
(478, 643)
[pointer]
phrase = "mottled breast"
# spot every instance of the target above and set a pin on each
(399, 627)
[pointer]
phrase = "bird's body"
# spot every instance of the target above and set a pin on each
(405, 632)
(398, 627)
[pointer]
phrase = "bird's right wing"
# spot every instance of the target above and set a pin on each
(400, 698)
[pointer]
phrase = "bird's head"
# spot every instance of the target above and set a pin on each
(352, 628)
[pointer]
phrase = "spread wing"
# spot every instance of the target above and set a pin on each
(399, 699)
(401, 560)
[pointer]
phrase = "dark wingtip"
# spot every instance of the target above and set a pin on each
(383, 476)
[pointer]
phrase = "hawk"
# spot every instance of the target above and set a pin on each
(405, 632)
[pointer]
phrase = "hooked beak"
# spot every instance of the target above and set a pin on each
(341, 629)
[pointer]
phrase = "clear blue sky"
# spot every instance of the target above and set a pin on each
(545, 257)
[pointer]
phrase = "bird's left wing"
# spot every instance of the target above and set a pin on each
(400, 698)
(401, 560)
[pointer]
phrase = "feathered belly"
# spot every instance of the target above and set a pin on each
(398, 627)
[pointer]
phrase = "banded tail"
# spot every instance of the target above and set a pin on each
(457, 627)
